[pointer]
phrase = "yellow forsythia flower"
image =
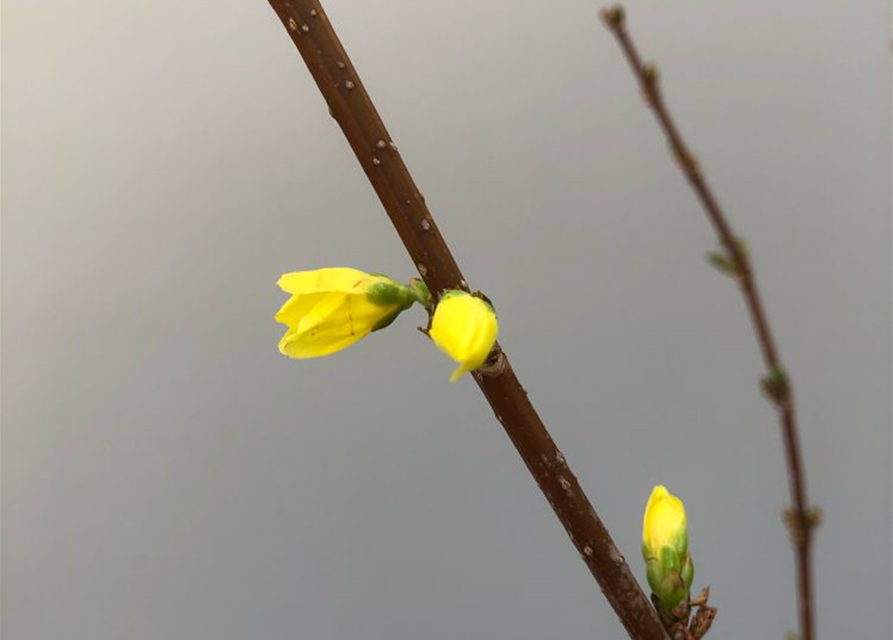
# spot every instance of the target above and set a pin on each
(664, 522)
(330, 309)
(464, 327)
(669, 566)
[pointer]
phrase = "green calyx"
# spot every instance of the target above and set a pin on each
(420, 293)
(457, 293)
(387, 292)
(390, 293)
(452, 293)
(687, 573)
(670, 577)
(678, 544)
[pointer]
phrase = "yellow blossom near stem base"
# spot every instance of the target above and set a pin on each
(669, 566)
(664, 522)
(331, 309)
(464, 327)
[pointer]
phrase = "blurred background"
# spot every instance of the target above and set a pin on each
(166, 473)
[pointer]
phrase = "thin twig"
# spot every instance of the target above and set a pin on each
(801, 519)
(350, 105)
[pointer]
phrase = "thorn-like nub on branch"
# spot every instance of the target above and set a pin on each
(811, 519)
(650, 82)
(775, 385)
(651, 73)
(688, 161)
(614, 16)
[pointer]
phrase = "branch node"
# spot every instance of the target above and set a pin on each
(730, 261)
(495, 365)
(651, 72)
(814, 517)
(733, 260)
(367, 135)
(800, 526)
(687, 160)
(777, 388)
(722, 263)
(614, 16)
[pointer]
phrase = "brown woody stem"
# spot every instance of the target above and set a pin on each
(350, 105)
(776, 384)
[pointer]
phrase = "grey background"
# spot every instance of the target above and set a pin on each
(167, 474)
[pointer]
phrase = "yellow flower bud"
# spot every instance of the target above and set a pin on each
(663, 524)
(464, 327)
(668, 564)
(330, 309)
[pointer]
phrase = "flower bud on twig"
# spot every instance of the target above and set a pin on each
(330, 309)
(464, 327)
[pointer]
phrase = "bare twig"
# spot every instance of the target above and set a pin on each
(350, 105)
(801, 519)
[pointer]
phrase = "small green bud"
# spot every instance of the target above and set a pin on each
(775, 385)
(722, 263)
(725, 261)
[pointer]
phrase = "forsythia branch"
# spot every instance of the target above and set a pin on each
(801, 519)
(350, 105)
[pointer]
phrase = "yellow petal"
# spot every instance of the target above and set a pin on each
(296, 308)
(344, 313)
(336, 321)
(342, 279)
(458, 372)
(297, 345)
(465, 328)
(321, 331)
(664, 520)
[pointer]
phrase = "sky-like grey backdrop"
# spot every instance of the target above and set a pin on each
(167, 474)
